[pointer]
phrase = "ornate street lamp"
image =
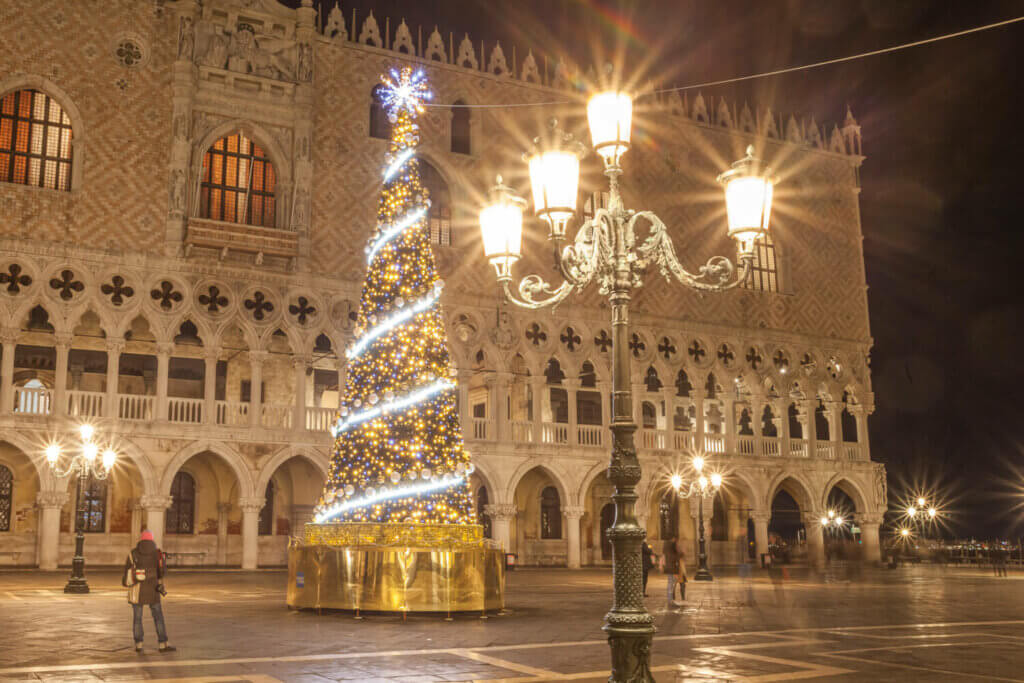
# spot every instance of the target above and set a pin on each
(88, 461)
(606, 250)
(700, 487)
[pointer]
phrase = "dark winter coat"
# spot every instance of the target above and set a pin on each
(145, 556)
(671, 557)
(648, 557)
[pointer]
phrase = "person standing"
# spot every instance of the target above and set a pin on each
(671, 565)
(143, 577)
(647, 562)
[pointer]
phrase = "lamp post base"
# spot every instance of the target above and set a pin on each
(76, 584)
(703, 575)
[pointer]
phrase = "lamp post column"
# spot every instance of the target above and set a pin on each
(629, 627)
(76, 582)
(703, 574)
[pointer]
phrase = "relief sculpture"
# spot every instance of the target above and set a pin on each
(244, 51)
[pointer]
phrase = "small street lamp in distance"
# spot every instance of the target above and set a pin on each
(700, 487)
(89, 461)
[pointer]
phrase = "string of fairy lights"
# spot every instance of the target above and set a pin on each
(398, 452)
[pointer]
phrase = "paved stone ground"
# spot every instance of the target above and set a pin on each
(914, 623)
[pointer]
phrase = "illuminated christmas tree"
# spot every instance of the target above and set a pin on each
(398, 451)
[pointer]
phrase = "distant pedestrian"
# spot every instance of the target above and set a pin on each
(1000, 561)
(647, 562)
(143, 576)
(671, 565)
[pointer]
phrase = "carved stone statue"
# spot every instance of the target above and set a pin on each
(502, 334)
(177, 190)
(186, 38)
(304, 69)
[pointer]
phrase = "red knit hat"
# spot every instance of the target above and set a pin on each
(147, 535)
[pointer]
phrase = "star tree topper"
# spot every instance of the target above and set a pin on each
(404, 90)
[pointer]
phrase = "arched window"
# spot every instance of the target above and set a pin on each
(267, 512)
(481, 503)
(380, 127)
(6, 496)
(460, 128)
(550, 513)
(238, 182)
(650, 415)
(668, 515)
(92, 514)
(181, 514)
(764, 272)
(440, 214)
(35, 141)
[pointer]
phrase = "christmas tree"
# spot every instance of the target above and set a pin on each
(398, 452)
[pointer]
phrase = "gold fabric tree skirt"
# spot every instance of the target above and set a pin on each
(396, 568)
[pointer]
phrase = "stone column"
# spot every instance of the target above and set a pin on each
(342, 377)
(163, 362)
(729, 428)
(256, 360)
(781, 409)
(48, 528)
(698, 408)
(871, 547)
(860, 414)
(9, 338)
(538, 385)
(605, 387)
(669, 399)
(761, 519)
(639, 395)
(156, 514)
(815, 540)
(805, 417)
(137, 513)
(62, 346)
(572, 537)
(757, 406)
(465, 410)
(222, 533)
(250, 530)
(498, 386)
(115, 346)
(305, 38)
(301, 364)
(210, 357)
(572, 386)
(501, 515)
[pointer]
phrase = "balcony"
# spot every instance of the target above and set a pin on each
(39, 401)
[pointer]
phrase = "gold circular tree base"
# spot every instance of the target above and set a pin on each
(396, 568)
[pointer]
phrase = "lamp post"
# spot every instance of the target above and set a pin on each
(606, 250)
(87, 462)
(700, 487)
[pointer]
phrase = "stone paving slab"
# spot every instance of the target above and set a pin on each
(916, 623)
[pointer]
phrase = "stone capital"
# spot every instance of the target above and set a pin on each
(164, 348)
(868, 519)
(760, 517)
(301, 360)
(155, 502)
(116, 345)
(258, 357)
(9, 335)
(51, 499)
(500, 511)
(572, 511)
(63, 340)
(224, 508)
(253, 504)
(212, 353)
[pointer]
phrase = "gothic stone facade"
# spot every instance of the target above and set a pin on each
(208, 350)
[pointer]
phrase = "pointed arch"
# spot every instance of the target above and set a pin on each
(792, 483)
(232, 457)
(848, 486)
(269, 467)
(536, 463)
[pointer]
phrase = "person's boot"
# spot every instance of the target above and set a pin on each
(682, 592)
(138, 648)
(164, 647)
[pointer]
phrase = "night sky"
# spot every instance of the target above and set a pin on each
(942, 136)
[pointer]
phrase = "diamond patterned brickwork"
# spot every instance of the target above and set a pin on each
(120, 202)
(122, 140)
